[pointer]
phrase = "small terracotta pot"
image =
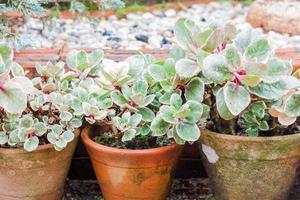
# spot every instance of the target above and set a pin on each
(35, 175)
(132, 174)
(249, 168)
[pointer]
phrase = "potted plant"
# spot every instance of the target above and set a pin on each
(39, 125)
(145, 111)
(251, 142)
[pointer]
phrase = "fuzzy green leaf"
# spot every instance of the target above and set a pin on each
(118, 98)
(140, 87)
(165, 98)
(187, 68)
(13, 99)
(159, 127)
(128, 135)
(214, 40)
(68, 136)
(135, 120)
(222, 107)
(96, 57)
(31, 143)
(202, 38)
(26, 122)
(250, 80)
(144, 130)
(176, 101)
(167, 114)
(215, 69)
(252, 132)
(195, 111)
(233, 57)
(3, 138)
(292, 106)
(147, 114)
(61, 143)
(17, 70)
(275, 90)
(157, 72)
(40, 128)
(188, 132)
(195, 90)
(258, 50)
(237, 98)
(264, 126)
(76, 123)
(169, 67)
(148, 100)
(184, 31)
(65, 116)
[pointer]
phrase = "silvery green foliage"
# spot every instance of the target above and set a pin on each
(13, 89)
(150, 98)
(239, 67)
(25, 7)
(50, 107)
(140, 96)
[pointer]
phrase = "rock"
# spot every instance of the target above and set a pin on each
(112, 18)
(165, 41)
(35, 24)
(280, 16)
(46, 43)
(133, 16)
(159, 13)
(148, 15)
(149, 30)
(142, 38)
(170, 13)
(154, 42)
(114, 39)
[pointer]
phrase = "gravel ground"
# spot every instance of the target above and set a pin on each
(182, 189)
(138, 30)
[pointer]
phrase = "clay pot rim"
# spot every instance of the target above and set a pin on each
(43, 147)
(251, 139)
(89, 142)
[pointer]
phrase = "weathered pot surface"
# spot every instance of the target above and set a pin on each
(35, 175)
(249, 168)
(132, 174)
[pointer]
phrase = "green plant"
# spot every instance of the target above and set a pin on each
(48, 108)
(139, 98)
(121, 12)
(244, 81)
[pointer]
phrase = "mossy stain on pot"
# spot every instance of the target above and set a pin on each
(252, 168)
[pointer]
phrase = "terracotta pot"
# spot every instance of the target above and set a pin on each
(250, 168)
(35, 175)
(132, 174)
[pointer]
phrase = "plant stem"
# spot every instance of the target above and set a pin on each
(130, 107)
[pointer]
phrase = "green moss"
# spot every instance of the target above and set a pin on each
(121, 12)
(161, 6)
(246, 2)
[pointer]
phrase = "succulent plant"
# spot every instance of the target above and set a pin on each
(244, 80)
(48, 108)
(13, 89)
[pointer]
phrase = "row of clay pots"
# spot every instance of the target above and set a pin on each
(240, 168)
